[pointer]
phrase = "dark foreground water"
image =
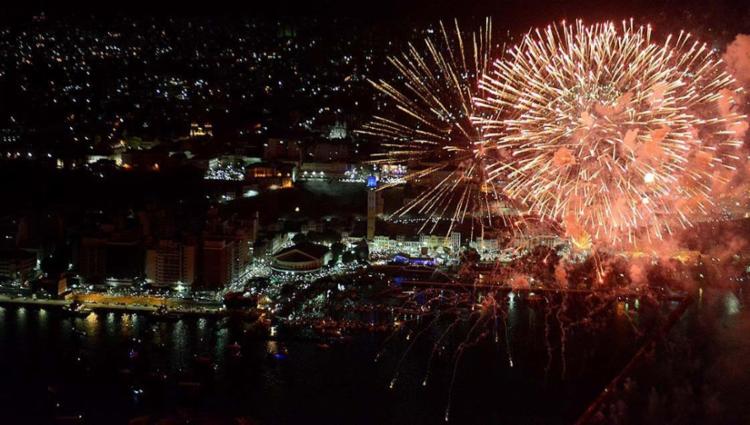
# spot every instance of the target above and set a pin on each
(699, 374)
(112, 368)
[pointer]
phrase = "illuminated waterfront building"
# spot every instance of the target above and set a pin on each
(170, 263)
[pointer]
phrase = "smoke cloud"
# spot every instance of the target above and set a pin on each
(737, 58)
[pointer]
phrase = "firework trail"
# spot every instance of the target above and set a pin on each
(428, 126)
(613, 135)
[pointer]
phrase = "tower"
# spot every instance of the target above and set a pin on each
(372, 206)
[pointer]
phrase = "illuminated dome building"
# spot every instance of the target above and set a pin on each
(301, 258)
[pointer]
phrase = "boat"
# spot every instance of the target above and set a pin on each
(77, 308)
(163, 313)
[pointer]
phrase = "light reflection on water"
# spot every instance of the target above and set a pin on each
(91, 324)
(179, 347)
(202, 329)
(21, 319)
(126, 324)
(220, 347)
(256, 380)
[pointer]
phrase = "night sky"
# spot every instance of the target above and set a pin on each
(517, 11)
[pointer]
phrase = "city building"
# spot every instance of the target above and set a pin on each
(243, 249)
(227, 167)
(279, 149)
(17, 265)
(9, 135)
(144, 160)
(92, 259)
(329, 151)
(338, 131)
(55, 286)
(124, 260)
(217, 264)
(417, 245)
(323, 171)
(392, 173)
(269, 245)
(410, 244)
(270, 175)
(171, 264)
(433, 242)
(533, 240)
(116, 258)
(486, 247)
(201, 130)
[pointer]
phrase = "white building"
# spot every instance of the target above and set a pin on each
(170, 263)
(433, 242)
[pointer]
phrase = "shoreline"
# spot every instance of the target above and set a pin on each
(93, 306)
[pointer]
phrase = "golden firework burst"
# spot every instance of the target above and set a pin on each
(608, 131)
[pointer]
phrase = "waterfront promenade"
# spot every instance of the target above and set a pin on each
(141, 304)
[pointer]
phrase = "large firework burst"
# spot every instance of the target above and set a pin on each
(428, 126)
(609, 132)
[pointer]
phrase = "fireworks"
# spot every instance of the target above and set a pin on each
(599, 131)
(608, 132)
(429, 126)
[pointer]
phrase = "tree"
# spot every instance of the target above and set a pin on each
(470, 256)
(362, 251)
(55, 263)
(327, 236)
(336, 249)
(469, 259)
(300, 238)
(348, 257)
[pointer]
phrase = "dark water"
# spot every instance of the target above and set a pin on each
(700, 373)
(112, 367)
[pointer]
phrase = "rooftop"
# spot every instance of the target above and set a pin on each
(305, 251)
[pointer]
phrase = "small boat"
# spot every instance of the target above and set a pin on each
(77, 309)
(163, 313)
